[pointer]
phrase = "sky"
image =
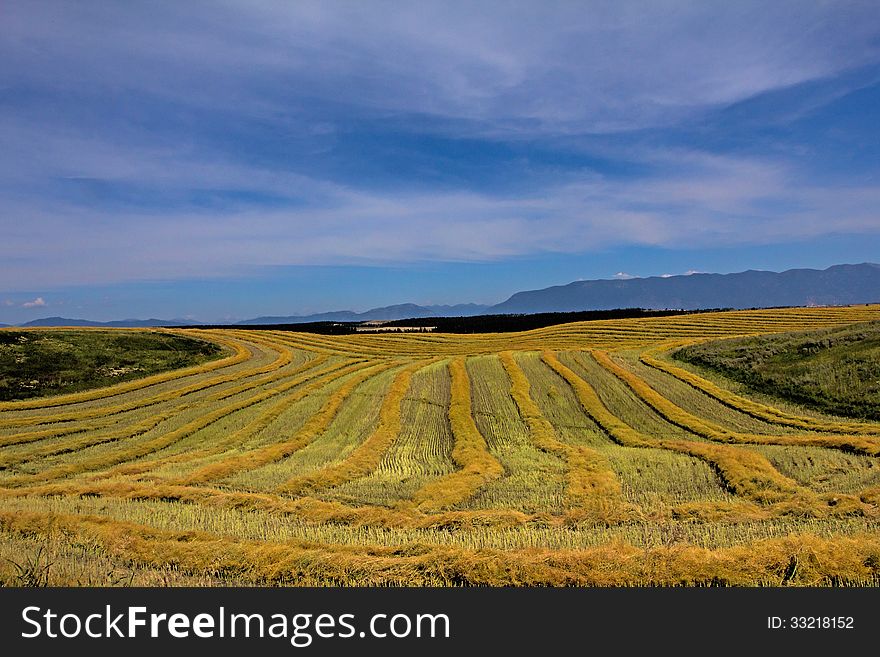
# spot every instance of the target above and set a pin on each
(230, 159)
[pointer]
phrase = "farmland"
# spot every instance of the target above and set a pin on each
(576, 454)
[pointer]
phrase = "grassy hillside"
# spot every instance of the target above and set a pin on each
(833, 370)
(39, 363)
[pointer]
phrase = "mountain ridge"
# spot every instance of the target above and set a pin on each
(52, 322)
(844, 284)
(396, 311)
(836, 285)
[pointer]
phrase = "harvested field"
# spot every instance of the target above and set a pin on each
(577, 454)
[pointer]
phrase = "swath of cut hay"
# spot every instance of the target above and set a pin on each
(712, 431)
(366, 457)
(745, 473)
(155, 444)
(754, 408)
(469, 452)
(277, 451)
(796, 560)
(590, 478)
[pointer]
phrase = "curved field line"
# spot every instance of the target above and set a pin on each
(92, 440)
(754, 408)
(319, 511)
(89, 440)
(317, 342)
(27, 437)
(319, 381)
(284, 358)
(160, 442)
(614, 564)
(313, 427)
(240, 355)
(744, 472)
(680, 417)
(469, 451)
(32, 436)
(590, 477)
(366, 457)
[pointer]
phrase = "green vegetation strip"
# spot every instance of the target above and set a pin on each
(86, 375)
(832, 370)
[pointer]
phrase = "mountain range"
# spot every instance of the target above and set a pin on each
(399, 311)
(835, 286)
(120, 323)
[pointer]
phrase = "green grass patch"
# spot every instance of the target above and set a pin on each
(836, 370)
(42, 363)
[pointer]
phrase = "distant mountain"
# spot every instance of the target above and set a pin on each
(133, 323)
(399, 311)
(837, 285)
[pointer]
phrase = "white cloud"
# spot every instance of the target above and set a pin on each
(691, 272)
(622, 275)
(698, 201)
(666, 275)
(600, 66)
(473, 68)
(39, 302)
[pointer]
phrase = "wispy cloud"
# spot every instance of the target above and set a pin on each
(601, 66)
(211, 139)
(39, 302)
(687, 204)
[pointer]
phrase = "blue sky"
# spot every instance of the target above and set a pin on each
(231, 159)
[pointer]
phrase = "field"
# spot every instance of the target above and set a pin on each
(577, 454)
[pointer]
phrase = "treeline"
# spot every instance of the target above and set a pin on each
(324, 328)
(474, 324)
(523, 322)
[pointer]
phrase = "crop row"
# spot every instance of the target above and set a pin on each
(798, 559)
(754, 408)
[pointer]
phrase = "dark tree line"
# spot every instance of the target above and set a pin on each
(475, 324)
